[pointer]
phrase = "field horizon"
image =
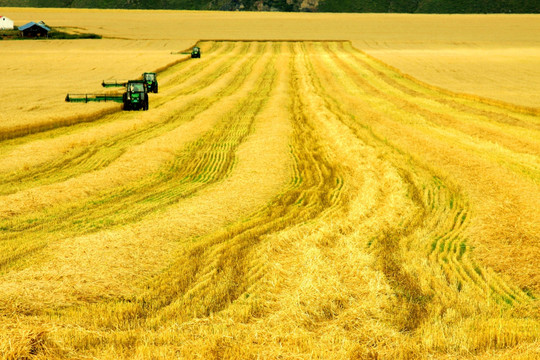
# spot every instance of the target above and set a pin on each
(315, 186)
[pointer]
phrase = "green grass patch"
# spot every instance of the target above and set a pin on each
(462, 249)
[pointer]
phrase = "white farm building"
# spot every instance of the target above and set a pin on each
(5, 23)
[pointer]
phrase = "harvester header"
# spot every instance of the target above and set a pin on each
(114, 83)
(93, 97)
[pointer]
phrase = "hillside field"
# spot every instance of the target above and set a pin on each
(316, 186)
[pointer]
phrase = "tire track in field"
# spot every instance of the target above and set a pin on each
(446, 216)
(219, 269)
(505, 294)
(387, 239)
(474, 133)
(204, 286)
(447, 244)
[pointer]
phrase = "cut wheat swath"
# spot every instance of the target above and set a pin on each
(280, 199)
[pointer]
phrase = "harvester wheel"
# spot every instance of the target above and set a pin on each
(126, 102)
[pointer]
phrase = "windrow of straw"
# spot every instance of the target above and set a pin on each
(279, 200)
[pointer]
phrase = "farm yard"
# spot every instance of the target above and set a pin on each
(315, 186)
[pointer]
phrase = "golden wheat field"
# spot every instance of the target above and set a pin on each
(315, 186)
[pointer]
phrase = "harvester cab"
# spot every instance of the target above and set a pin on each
(196, 52)
(136, 95)
(150, 79)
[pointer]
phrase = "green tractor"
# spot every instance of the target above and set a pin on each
(151, 81)
(135, 97)
(196, 52)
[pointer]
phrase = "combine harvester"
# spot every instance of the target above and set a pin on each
(150, 78)
(135, 97)
(151, 81)
(196, 52)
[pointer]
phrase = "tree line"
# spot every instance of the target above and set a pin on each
(376, 6)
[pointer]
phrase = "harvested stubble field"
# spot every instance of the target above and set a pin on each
(280, 199)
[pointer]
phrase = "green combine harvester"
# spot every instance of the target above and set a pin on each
(149, 77)
(151, 81)
(135, 97)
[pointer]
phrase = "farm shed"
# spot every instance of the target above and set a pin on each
(33, 29)
(6, 23)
